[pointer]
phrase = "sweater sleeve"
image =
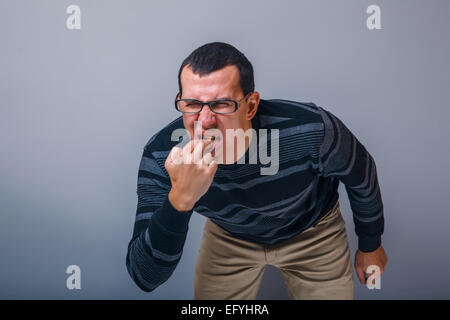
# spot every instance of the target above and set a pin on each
(343, 157)
(159, 229)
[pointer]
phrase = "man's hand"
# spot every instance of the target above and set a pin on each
(365, 259)
(191, 171)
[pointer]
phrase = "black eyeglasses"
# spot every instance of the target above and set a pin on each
(219, 106)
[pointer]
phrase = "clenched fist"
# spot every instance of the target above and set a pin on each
(191, 171)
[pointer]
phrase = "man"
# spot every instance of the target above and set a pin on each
(290, 219)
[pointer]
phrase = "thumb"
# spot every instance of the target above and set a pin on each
(360, 274)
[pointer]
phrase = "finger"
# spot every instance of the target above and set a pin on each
(201, 149)
(209, 147)
(186, 154)
(177, 156)
(207, 159)
(173, 155)
(360, 275)
(372, 277)
(368, 276)
(190, 156)
(189, 147)
(198, 130)
(197, 154)
(174, 150)
(212, 167)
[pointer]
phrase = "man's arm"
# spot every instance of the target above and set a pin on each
(342, 156)
(159, 229)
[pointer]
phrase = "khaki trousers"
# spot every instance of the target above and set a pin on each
(314, 264)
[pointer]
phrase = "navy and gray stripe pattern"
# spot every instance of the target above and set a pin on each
(316, 152)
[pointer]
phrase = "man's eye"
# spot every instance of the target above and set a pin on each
(221, 104)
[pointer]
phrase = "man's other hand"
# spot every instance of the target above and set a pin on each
(363, 260)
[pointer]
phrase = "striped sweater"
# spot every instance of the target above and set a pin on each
(316, 152)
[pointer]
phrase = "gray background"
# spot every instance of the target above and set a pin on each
(78, 106)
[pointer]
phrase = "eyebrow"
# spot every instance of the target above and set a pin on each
(222, 98)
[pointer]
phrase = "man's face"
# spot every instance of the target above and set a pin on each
(223, 83)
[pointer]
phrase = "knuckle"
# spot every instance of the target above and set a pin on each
(167, 163)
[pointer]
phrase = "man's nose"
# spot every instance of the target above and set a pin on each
(207, 117)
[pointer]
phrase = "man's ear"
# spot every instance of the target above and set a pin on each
(252, 102)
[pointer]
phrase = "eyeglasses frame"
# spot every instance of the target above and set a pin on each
(208, 103)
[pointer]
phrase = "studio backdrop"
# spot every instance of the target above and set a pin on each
(85, 84)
